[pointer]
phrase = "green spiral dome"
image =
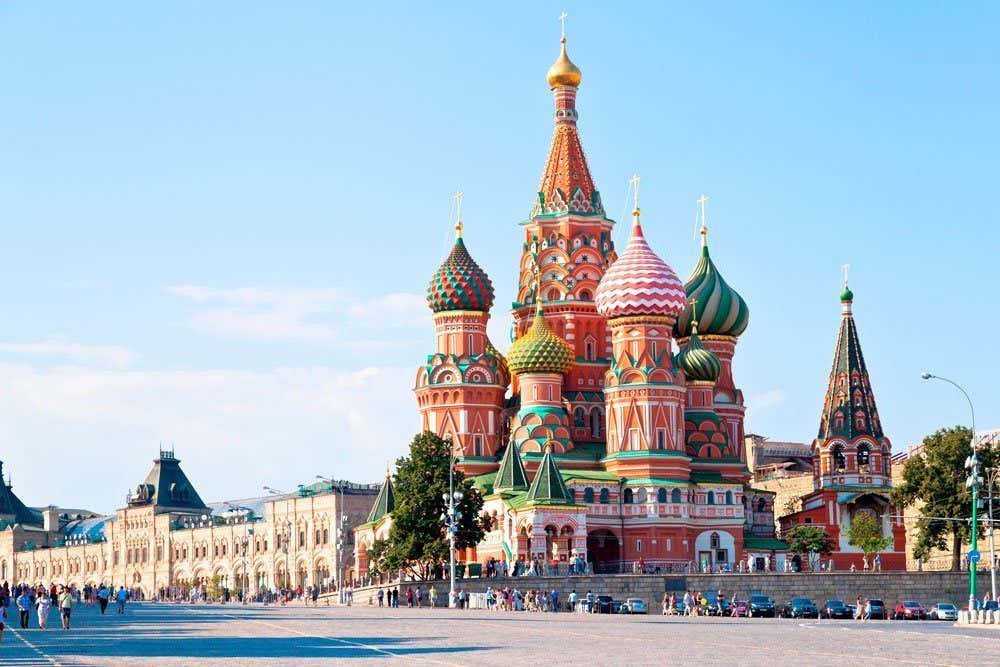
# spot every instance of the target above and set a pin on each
(721, 310)
(698, 364)
(540, 350)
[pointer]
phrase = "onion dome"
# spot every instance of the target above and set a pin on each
(723, 311)
(698, 364)
(460, 284)
(563, 72)
(491, 350)
(540, 350)
(639, 282)
(846, 294)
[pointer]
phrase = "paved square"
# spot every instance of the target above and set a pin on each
(168, 634)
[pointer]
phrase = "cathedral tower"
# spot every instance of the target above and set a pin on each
(641, 297)
(460, 389)
(568, 238)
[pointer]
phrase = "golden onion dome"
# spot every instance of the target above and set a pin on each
(540, 350)
(563, 72)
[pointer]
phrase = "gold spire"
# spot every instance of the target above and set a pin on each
(694, 317)
(563, 72)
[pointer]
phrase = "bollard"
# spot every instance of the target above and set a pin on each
(963, 617)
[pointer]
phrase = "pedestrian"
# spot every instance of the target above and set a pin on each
(102, 597)
(65, 607)
(23, 603)
(121, 598)
(381, 597)
(3, 618)
(43, 604)
(878, 563)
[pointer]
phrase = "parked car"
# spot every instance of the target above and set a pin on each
(761, 605)
(603, 604)
(836, 609)
(799, 608)
(634, 606)
(854, 609)
(714, 608)
(908, 610)
(878, 610)
(742, 608)
(943, 611)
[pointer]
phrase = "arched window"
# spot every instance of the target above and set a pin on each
(661, 495)
(640, 496)
(595, 422)
(761, 504)
(675, 496)
(588, 352)
(711, 498)
(579, 418)
(605, 496)
(588, 495)
(864, 458)
(839, 462)
(729, 497)
(585, 295)
(628, 496)
(714, 541)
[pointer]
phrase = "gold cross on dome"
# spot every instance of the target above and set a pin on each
(562, 19)
(458, 204)
(634, 182)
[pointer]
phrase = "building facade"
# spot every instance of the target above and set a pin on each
(613, 428)
(166, 540)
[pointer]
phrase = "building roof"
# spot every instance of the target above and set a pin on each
(721, 309)
(385, 503)
(763, 543)
(548, 487)
(459, 283)
(511, 476)
(91, 529)
(12, 507)
(167, 488)
(540, 350)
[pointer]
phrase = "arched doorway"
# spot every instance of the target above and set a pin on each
(602, 549)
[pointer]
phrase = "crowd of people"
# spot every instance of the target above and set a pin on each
(24, 599)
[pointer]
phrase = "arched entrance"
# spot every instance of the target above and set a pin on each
(602, 549)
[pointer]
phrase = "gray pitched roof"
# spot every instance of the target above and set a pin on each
(167, 488)
(11, 507)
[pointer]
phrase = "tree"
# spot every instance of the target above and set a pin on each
(377, 556)
(805, 539)
(866, 534)
(417, 538)
(935, 482)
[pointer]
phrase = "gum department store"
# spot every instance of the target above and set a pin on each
(612, 430)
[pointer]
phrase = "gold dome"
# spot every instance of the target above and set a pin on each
(563, 72)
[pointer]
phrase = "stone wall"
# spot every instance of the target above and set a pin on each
(926, 587)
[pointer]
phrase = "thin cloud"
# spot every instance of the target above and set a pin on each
(101, 355)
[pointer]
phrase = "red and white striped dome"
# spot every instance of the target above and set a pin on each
(640, 283)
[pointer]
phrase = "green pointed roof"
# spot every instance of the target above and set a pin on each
(548, 487)
(511, 476)
(385, 503)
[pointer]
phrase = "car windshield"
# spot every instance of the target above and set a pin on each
(877, 603)
(759, 598)
(947, 605)
(834, 603)
(801, 601)
(911, 603)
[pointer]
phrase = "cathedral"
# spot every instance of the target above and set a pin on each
(612, 431)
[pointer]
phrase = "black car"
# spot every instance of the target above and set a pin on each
(761, 605)
(799, 608)
(878, 610)
(836, 609)
(603, 604)
(715, 610)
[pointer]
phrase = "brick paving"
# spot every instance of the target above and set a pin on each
(166, 634)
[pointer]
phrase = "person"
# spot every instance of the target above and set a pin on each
(23, 603)
(102, 597)
(315, 596)
(878, 563)
(395, 598)
(381, 597)
(65, 606)
(868, 610)
(854, 568)
(43, 604)
(409, 597)
(121, 597)
(3, 618)
(573, 597)
(434, 596)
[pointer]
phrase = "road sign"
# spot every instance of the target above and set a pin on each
(973, 556)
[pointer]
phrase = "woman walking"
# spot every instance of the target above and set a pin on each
(65, 607)
(43, 604)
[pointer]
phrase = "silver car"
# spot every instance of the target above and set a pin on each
(634, 606)
(943, 611)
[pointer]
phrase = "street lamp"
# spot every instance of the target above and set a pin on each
(247, 532)
(341, 532)
(450, 518)
(972, 482)
(992, 478)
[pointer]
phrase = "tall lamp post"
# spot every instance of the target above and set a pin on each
(341, 534)
(992, 478)
(247, 532)
(450, 518)
(973, 482)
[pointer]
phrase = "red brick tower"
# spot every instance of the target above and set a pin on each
(568, 239)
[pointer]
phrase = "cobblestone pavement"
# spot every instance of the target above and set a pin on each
(167, 634)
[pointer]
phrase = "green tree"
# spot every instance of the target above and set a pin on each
(935, 482)
(806, 539)
(417, 539)
(866, 534)
(377, 557)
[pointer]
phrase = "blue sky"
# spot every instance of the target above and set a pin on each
(218, 219)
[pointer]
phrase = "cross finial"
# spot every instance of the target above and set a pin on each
(562, 19)
(458, 204)
(847, 269)
(704, 226)
(694, 313)
(634, 182)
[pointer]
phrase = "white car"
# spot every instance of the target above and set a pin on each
(634, 606)
(943, 611)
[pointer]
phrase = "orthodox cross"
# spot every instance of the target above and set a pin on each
(704, 227)
(458, 204)
(846, 268)
(694, 312)
(634, 182)
(562, 19)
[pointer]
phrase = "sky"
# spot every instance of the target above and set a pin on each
(218, 220)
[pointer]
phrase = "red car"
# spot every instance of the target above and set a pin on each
(741, 608)
(908, 610)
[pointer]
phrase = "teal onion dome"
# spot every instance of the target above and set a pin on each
(847, 294)
(698, 364)
(460, 284)
(722, 311)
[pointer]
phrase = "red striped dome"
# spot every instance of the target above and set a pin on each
(640, 283)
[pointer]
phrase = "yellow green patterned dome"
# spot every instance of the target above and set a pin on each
(698, 364)
(540, 350)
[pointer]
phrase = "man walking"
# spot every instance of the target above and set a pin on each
(102, 597)
(23, 603)
(121, 597)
